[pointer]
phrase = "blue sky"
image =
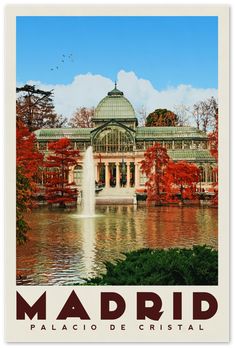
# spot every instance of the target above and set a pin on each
(167, 51)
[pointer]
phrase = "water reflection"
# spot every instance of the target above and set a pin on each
(88, 246)
(64, 249)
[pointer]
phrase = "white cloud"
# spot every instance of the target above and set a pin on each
(87, 90)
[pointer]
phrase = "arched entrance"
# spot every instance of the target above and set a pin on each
(113, 139)
(114, 144)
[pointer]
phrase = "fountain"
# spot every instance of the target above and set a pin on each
(88, 184)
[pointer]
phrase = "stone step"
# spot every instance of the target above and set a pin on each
(115, 200)
(115, 192)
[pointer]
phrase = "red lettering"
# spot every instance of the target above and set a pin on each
(73, 308)
(106, 298)
(177, 305)
(152, 312)
(22, 307)
(198, 298)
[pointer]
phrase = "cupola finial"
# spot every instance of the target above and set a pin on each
(115, 92)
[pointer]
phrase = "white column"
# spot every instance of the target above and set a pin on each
(137, 175)
(128, 175)
(97, 172)
(70, 175)
(117, 175)
(206, 173)
(106, 175)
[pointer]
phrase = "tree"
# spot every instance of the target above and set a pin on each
(162, 118)
(82, 118)
(28, 162)
(153, 165)
(182, 178)
(27, 155)
(213, 140)
(167, 180)
(213, 110)
(182, 112)
(142, 116)
(58, 189)
(35, 108)
(196, 112)
(204, 113)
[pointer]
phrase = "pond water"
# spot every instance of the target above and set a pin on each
(63, 249)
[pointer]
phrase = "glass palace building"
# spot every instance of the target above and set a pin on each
(119, 146)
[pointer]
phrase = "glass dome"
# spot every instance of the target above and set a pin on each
(114, 106)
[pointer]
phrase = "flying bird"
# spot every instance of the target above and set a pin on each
(63, 60)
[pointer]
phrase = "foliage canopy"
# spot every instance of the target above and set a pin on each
(175, 266)
(162, 118)
(57, 164)
(35, 108)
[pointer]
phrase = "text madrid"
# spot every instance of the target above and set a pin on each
(148, 305)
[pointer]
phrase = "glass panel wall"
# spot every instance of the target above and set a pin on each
(113, 139)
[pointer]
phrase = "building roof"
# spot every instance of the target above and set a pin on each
(142, 133)
(169, 132)
(191, 155)
(114, 106)
(58, 133)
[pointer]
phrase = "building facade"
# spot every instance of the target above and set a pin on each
(119, 146)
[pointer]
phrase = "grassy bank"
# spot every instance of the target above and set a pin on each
(176, 266)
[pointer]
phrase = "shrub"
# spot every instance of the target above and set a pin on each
(175, 266)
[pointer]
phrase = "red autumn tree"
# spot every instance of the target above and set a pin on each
(27, 155)
(28, 163)
(153, 165)
(58, 189)
(213, 140)
(182, 178)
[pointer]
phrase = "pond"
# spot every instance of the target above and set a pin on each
(64, 248)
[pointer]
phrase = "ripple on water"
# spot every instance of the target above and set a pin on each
(64, 248)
